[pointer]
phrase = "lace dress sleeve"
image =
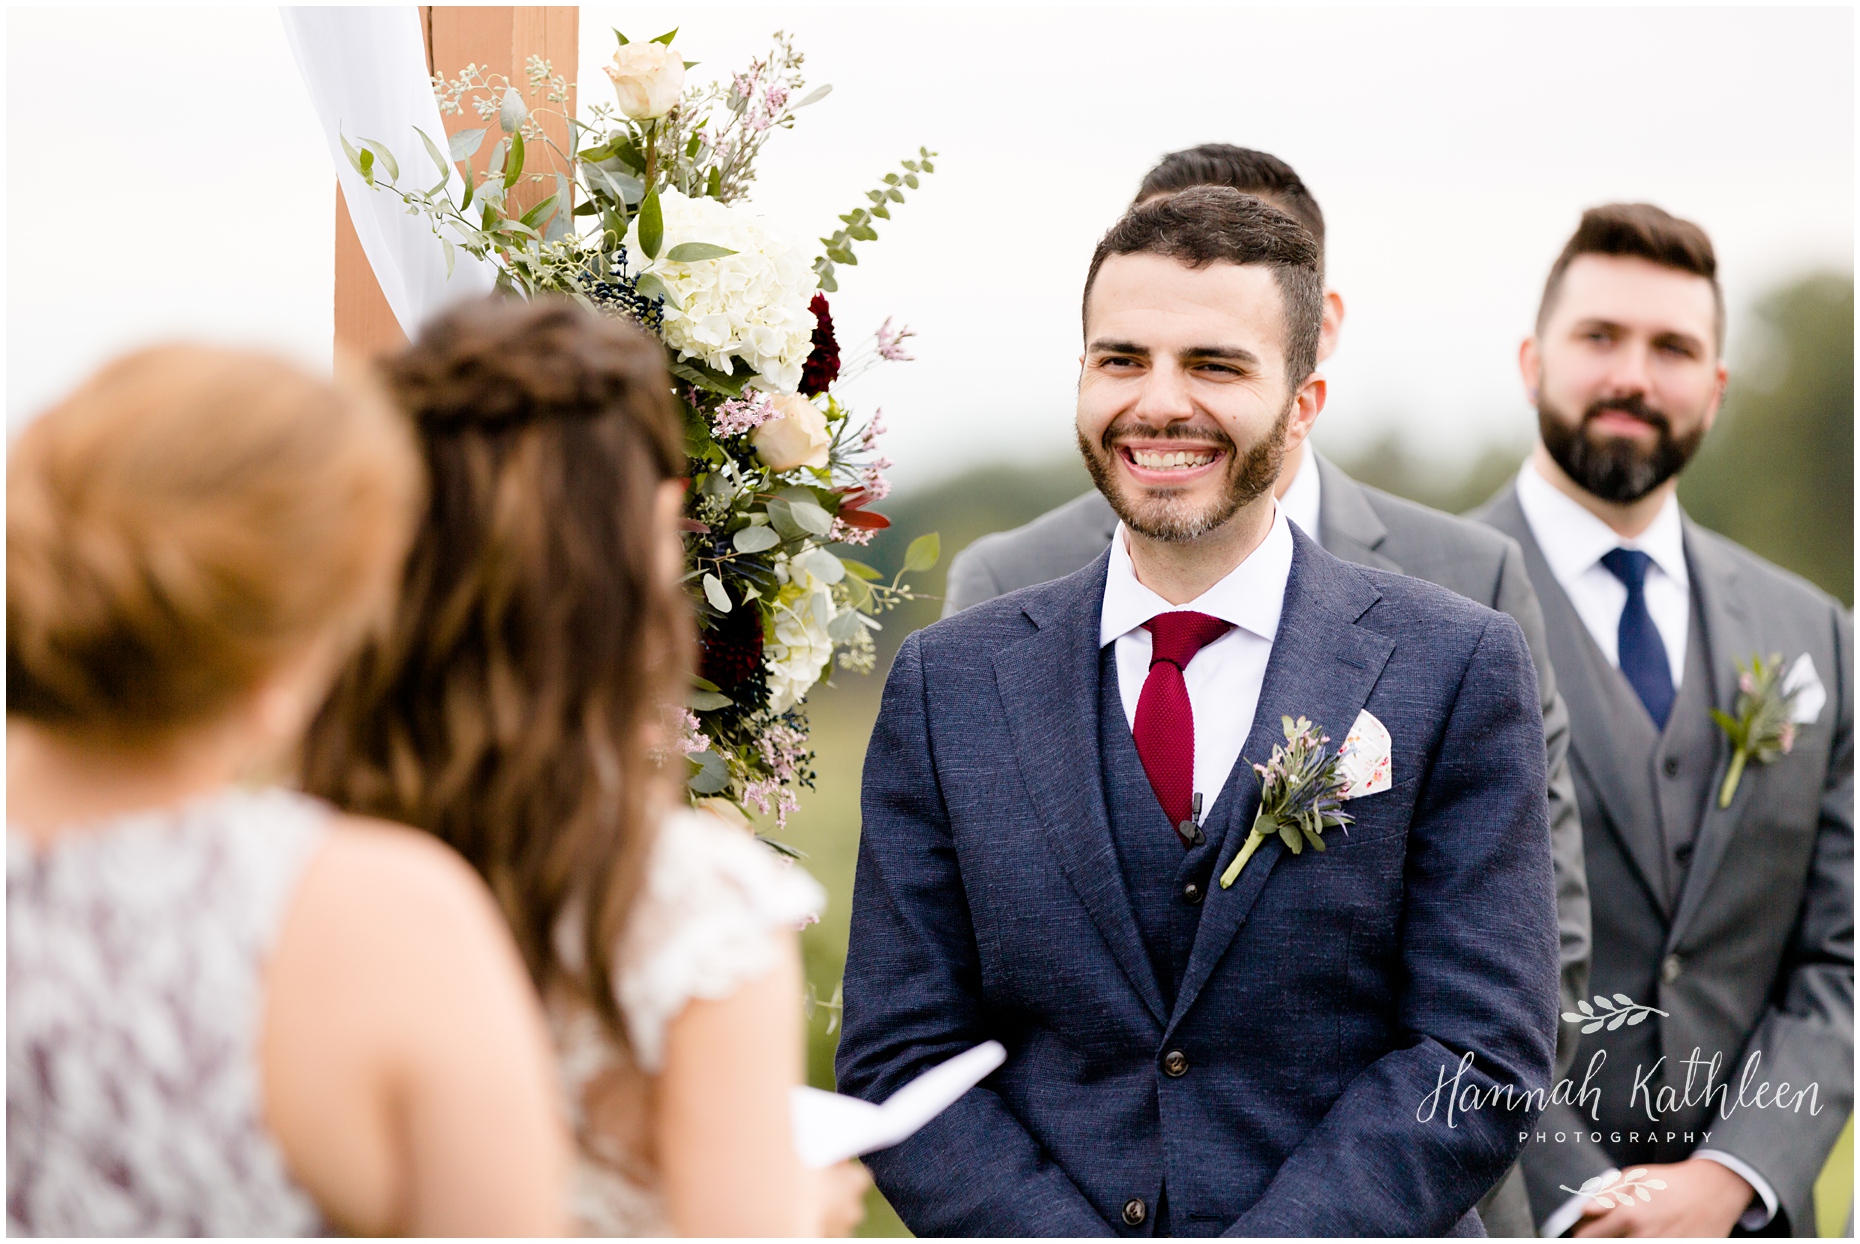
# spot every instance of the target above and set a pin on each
(702, 925)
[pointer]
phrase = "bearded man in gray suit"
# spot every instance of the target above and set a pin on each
(1724, 903)
(1356, 523)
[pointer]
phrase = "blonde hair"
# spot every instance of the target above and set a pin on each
(188, 520)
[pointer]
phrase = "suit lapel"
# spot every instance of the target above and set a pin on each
(1603, 712)
(1727, 639)
(1323, 666)
(1048, 684)
(1348, 526)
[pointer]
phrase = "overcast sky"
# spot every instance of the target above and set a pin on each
(165, 175)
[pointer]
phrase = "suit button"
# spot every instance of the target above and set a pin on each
(1175, 1064)
(1135, 1211)
(1669, 970)
(1671, 766)
(1683, 853)
(1191, 894)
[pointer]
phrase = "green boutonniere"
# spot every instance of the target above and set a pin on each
(1762, 729)
(1299, 798)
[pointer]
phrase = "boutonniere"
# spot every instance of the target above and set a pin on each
(1771, 703)
(1300, 796)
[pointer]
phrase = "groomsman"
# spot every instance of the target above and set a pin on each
(1725, 905)
(1354, 522)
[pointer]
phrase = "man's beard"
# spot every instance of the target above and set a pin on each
(1167, 517)
(1616, 468)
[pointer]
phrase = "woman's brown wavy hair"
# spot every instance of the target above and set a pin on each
(511, 706)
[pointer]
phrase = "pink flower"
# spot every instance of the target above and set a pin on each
(1746, 683)
(1788, 737)
(891, 342)
(744, 414)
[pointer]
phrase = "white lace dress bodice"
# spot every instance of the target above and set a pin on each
(135, 959)
(700, 928)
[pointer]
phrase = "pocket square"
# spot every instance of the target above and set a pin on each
(1364, 760)
(1810, 696)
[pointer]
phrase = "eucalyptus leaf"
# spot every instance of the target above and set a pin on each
(464, 144)
(714, 593)
(704, 684)
(923, 552)
(712, 775)
(651, 224)
(694, 252)
(534, 216)
(513, 112)
(858, 592)
(709, 701)
(843, 627)
(514, 167)
(859, 569)
(754, 540)
(355, 157)
(811, 518)
(385, 156)
(781, 517)
(814, 96)
(439, 159)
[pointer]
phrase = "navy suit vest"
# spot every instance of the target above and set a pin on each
(1158, 871)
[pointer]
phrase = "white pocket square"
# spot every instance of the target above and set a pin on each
(1364, 761)
(1812, 697)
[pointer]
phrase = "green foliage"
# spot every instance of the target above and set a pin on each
(1777, 472)
(856, 225)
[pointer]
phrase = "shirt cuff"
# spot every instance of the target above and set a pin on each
(1566, 1215)
(1757, 1215)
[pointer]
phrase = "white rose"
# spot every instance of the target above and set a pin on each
(795, 437)
(648, 78)
(750, 306)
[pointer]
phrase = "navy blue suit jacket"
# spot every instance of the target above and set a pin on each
(1326, 996)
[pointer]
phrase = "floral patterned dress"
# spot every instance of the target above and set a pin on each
(135, 959)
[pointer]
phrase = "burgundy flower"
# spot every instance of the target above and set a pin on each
(731, 650)
(823, 365)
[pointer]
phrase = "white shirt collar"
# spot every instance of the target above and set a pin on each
(1250, 596)
(1573, 539)
(1302, 500)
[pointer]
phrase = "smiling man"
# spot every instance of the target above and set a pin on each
(1076, 838)
(1725, 906)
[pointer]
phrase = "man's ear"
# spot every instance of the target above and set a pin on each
(1717, 397)
(1530, 367)
(1332, 326)
(1306, 407)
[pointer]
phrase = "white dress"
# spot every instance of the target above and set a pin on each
(135, 958)
(700, 928)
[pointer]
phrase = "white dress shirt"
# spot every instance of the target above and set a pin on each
(1303, 499)
(1224, 678)
(1573, 541)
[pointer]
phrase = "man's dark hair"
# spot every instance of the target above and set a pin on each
(1213, 224)
(1641, 231)
(1248, 171)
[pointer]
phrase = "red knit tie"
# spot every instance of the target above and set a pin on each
(1165, 726)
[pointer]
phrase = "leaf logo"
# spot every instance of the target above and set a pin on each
(1611, 1013)
(1618, 1189)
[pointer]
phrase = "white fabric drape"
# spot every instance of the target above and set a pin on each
(365, 69)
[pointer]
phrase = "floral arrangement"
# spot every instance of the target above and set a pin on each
(1300, 795)
(650, 223)
(1764, 726)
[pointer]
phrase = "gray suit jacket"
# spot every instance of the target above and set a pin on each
(1747, 948)
(1371, 528)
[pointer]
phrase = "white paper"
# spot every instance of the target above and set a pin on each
(1812, 697)
(829, 1128)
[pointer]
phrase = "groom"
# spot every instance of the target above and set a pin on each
(1061, 781)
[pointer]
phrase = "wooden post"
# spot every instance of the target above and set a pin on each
(499, 40)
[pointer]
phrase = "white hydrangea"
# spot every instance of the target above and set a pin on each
(798, 655)
(751, 305)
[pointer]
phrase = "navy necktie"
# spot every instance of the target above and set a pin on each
(1643, 656)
